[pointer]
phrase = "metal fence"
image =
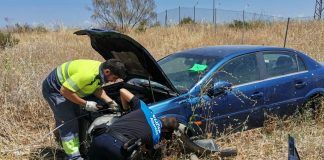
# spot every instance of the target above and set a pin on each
(214, 16)
(303, 33)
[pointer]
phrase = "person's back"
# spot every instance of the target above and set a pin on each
(76, 75)
(139, 124)
(134, 126)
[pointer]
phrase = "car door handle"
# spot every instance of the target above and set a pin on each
(300, 84)
(257, 95)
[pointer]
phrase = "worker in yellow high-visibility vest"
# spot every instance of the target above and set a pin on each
(67, 85)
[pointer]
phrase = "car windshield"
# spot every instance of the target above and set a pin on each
(184, 70)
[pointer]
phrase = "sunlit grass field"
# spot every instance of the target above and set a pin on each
(25, 118)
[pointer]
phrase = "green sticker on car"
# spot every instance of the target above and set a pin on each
(198, 67)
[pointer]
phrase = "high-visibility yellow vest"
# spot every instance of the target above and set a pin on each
(80, 76)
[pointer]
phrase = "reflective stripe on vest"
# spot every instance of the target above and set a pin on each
(67, 77)
(71, 146)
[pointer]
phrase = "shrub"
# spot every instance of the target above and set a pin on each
(259, 23)
(238, 24)
(7, 40)
(187, 20)
(248, 25)
(26, 28)
(156, 24)
(142, 26)
(40, 29)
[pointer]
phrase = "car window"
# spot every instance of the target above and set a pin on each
(278, 64)
(301, 64)
(178, 64)
(243, 69)
(185, 70)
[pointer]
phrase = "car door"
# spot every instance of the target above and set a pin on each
(287, 82)
(242, 102)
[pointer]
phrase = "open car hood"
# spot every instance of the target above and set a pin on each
(138, 61)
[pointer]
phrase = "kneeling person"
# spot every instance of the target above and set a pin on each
(141, 124)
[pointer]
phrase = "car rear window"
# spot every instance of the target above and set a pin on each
(278, 64)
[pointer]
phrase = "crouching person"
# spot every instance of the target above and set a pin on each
(141, 124)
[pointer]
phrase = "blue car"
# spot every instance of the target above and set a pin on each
(215, 88)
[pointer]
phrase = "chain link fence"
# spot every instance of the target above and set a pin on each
(212, 16)
(303, 33)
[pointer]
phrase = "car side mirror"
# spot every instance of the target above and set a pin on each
(218, 88)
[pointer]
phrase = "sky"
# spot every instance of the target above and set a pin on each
(76, 12)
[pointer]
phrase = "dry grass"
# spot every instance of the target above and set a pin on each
(271, 141)
(25, 117)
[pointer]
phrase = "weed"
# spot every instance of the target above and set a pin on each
(7, 40)
(26, 28)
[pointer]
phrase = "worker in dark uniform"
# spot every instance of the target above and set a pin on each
(140, 124)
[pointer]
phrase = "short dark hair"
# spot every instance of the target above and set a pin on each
(169, 123)
(116, 67)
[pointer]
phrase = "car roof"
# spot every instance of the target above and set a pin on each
(226, 50)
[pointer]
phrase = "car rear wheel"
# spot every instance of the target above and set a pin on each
(318, 107)
(315, 105)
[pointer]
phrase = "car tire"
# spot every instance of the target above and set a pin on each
(230, 152)
(316, 105)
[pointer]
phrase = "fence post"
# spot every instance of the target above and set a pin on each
(213, 11)
(194, 13)
(215, 16)
(286, 32)
(243, 29)
(166, 18)
(215, 23)
(179, 15)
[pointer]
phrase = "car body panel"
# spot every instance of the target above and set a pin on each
(244, 105)
(272, 102)
(179, 107)
(282, 94)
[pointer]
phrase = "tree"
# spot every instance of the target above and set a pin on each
(123, 14)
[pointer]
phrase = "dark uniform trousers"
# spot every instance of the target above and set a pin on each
(107, 146)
